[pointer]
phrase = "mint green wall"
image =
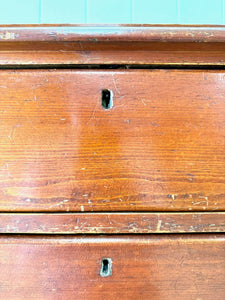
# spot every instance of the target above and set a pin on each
(113, 11)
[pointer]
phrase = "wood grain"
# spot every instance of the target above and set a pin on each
(160, 148)
(111, 223)
(152, 164)
(146, 44)
(145, 267)
(113, 32)
(143, 57)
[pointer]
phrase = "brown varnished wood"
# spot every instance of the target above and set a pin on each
(152, 164)
(113, 32)
(85, 57)
(160, 148)
(144, 267)
(101, 44)
(111, 223)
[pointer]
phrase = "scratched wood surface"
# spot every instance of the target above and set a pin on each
(73, 53)
(144, 267)
(159, 148)
(112, 32)
(96, 44)
(111, 223)
(39, 54)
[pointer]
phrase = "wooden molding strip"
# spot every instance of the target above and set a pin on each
(107, 33)
(111, 223)
(111, 44)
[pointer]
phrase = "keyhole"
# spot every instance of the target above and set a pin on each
(107, 99)
(106, 267)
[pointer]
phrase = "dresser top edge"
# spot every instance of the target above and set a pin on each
(112, 33)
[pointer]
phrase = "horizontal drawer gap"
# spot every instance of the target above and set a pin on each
(187, 66)
(111, 212)
(95, 235)
(136, 212)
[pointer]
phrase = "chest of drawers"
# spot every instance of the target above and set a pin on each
(112, 158)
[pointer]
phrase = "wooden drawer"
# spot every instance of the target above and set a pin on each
(144, 267)
(159, 148)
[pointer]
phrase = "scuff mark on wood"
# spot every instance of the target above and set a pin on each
(7, 35)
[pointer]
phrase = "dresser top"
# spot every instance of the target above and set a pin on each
(109, 33)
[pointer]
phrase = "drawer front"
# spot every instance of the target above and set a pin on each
(159, 148)
(118, 267)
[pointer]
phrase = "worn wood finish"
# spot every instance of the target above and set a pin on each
(63, 58)
(114, 44)
(160, 148)
(152, 164)
(113, 32)
(145, 267)
(113, 223)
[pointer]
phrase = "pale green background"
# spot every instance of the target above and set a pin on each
(112, 11)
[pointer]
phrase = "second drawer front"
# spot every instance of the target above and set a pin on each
(119, 267)
(159, 148)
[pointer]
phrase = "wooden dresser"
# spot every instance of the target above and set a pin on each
(112, 162)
